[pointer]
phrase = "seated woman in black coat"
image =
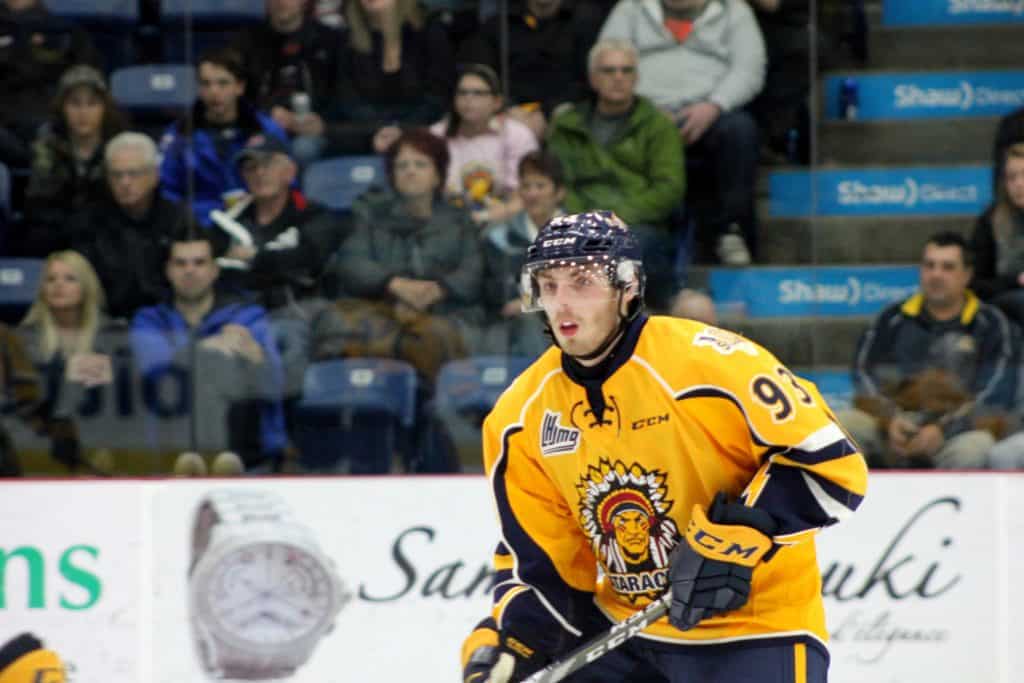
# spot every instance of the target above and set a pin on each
(998, 241)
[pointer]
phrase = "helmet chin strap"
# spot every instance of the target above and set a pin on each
(612, 337)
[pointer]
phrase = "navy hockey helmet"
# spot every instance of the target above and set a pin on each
(596, 241)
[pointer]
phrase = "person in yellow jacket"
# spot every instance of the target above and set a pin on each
(641, 455)
(23, 659)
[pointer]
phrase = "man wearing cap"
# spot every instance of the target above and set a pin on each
(67, 160)
(279, 247)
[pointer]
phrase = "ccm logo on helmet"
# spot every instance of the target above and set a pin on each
(558, 242)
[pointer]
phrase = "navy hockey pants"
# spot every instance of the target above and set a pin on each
(640, 661)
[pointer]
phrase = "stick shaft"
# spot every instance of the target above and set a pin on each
(599, 645)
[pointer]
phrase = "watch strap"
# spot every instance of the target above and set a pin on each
(234, 506)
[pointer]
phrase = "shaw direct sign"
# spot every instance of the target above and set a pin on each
(945, 12)
(956, 190)
(836, 291)
(930, 95)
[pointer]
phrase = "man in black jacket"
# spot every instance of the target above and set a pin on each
(126, 236)
(280, 245)
(933, 371)
(291, 60)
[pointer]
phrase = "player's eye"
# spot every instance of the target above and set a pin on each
(584, 281)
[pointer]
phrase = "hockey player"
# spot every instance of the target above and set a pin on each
(643, 455)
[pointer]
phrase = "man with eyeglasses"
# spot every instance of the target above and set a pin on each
(124, 235)
(701, 62)
(620, 153)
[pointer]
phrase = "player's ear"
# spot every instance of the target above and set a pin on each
(629, 292)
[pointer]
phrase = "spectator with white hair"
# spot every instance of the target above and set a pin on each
(702, 62)
(125, 235)
(621, 154)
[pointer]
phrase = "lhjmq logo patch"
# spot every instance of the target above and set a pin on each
(557, 439)
(624, 511)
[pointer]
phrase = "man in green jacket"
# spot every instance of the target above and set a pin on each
(621, 153)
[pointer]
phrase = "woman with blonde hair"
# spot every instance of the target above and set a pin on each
(998, 241)
(395, 66)
(67, 332)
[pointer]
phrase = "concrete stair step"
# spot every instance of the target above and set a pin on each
(926, 141)
(946, 47)
(804, 341)
(851, 239)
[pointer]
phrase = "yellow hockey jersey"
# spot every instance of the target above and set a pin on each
(594, 479)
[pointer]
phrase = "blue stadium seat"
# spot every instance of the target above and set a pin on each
(470, 386)
(154, 87)
(205, 13)
(359, 409)
(96, 12)
(191, 27)
(108, 22)
(19, 278)
(337, 182)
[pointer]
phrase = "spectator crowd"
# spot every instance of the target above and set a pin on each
(183, 246)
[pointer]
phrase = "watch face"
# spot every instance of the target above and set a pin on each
(268, 594)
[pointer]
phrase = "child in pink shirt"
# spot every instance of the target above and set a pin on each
(485, 147)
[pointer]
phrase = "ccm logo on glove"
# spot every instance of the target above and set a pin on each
(737, 544)
(711, 568)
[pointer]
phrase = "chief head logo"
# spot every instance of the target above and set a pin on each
(624, 512)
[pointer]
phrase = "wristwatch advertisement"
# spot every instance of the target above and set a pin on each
(262, 594)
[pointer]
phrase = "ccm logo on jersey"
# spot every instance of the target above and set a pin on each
(649, 421)
(556, 439)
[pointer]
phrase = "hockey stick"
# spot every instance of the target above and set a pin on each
(599, 645)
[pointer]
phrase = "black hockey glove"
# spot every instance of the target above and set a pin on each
(510, 659)
(712, 566)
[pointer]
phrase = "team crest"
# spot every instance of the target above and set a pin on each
(624, 511)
